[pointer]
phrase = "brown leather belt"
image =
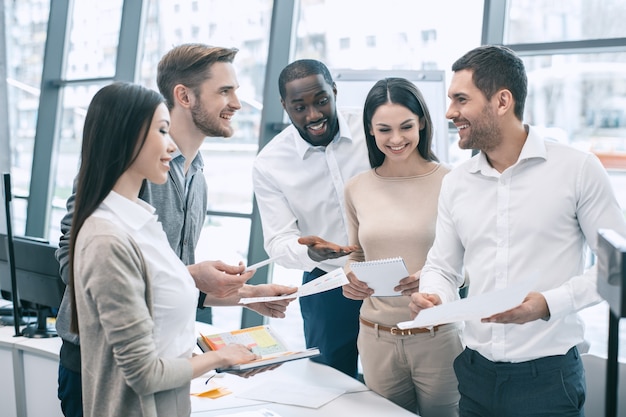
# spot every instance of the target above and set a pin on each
(396, 331)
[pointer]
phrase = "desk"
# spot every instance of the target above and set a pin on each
(31, 363)
(28, 384)
(357, 401)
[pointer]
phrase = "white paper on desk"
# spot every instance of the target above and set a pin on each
(230, 382)
(326, 282)
(475, 307)
(262, 412)
(283, 392)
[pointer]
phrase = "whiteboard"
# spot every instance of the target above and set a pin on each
(353, 86)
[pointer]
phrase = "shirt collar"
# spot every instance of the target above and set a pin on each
(179, 158)
(134, 214)
(534, 147)
(303, 148)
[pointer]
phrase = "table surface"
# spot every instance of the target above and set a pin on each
(293, 380)
(296, 379)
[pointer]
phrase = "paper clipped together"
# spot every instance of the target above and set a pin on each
(326, 282)
(475, 307)
(381, 275)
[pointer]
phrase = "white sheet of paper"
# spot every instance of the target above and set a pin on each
(475, 307)
(283, 392)
(326, 282)
(263, 412)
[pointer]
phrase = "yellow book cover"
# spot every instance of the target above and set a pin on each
(261, 340)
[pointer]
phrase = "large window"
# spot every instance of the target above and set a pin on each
(531, 21)
(91, 54)
(91, 61)
(575, 56)
(574, 50)
(228, 162)
(25, 41)
(408, 36)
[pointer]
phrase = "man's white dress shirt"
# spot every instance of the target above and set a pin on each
(536, 217)
(299, 190)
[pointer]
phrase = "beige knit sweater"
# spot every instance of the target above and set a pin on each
(390, 217)
(121, 372)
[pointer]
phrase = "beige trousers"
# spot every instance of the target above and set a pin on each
(414, 371)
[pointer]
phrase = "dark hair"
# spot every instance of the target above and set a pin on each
(116, 126)
(494, 68)
(300, 69)
(403, 92)
(189, 64)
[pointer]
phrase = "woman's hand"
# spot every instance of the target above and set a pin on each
(355, 289)
(410, 284)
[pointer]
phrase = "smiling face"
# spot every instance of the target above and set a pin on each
(472, 114)
(396, 131)
(216, 102)
(310, 104)
(153, 161)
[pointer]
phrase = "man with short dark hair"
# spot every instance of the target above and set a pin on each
(298, 180)
(522, 206)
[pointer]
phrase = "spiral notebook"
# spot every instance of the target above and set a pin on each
(381, 275)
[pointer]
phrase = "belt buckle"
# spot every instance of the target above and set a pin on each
(397, 332)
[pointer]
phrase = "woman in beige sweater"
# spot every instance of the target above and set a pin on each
(124, 276)
(391, 212)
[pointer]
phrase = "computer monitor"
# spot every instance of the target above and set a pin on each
(39, 285)
(612, 270)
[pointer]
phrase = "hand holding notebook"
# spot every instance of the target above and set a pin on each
(382, 275)
(261, 340)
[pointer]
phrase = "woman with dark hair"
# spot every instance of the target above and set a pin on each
(391, 212)
(125, 279)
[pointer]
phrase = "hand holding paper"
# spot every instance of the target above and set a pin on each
(326, 282)
(472, 308)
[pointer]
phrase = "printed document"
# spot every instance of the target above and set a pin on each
(475, 307)
(326, 282)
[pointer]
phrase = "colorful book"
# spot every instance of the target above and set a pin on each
(261, 340)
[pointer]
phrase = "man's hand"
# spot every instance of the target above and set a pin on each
(321, 250)
(355, 289)
(219, 280)
(421, 301)
(533, 307)
(274, 309)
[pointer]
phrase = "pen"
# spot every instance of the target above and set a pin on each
(259, 264)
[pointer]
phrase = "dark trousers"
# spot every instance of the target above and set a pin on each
(546, 387)
(331, 323)
(70, 393)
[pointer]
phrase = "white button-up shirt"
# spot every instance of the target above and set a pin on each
(299, 190)
(174, 292)
(535, 217)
